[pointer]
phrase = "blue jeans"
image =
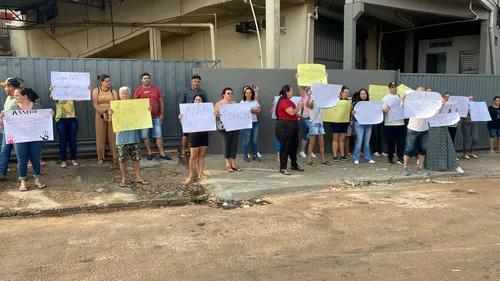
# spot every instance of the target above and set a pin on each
(154, 132)
(5, 156)
(363, 135)
(277, 145)
(305, 128)
(28, 151)
(67, 129)
(416, 143)
(251, 134)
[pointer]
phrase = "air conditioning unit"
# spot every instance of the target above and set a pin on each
(246, 27)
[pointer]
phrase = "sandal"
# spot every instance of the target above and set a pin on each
(144, 182)
(229, 169)
(40, 186)
(311, 163)
(285, 172)
(75, 164)
(236, 168)
(188, 180)
(23, 188)
(43, 165)
(123, 184)
(328, 163)
(99, 162)
(204, 177)
(297, 168)
(183, 155)
(63, 164)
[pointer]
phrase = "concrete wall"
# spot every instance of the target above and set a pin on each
(462, 43)
(270, 83)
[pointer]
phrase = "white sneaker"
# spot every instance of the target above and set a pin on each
(418, 162)
(356, 162)
(371, 161)
(474, 156)
(376, 154)
(313, 155)
(459, 170)
(259, 155)
(384, 154)
(302, 154)
(249, 156)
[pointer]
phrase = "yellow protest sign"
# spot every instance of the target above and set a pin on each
(341, 113)
(403, 88)
(377, 92)
(131, 115)
(311, 73)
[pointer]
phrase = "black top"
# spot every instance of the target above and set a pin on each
(495, 117)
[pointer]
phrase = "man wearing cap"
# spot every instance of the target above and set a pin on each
(395, 131)
(187, 97)
(11, 84)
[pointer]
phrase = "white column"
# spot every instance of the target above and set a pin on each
(484, 49)
(155, 43)
(273, 33)
(352, 12)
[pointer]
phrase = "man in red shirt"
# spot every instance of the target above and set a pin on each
(153, 93)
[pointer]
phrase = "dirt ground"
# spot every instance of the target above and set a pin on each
(446, 231)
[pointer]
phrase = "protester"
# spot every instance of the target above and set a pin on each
(304, 118)
(101, 98)
(256, 91)
(27, 151)
(470, 135)
(377, 140)
(153, 93)
(395, 131)
(198, 143)
(452, 129)
(128, 145)
(67, 127)
(417, 139)
(287, 129)
(253, 133)
(187, 96)
(10, 85)
(316, 129)
(339, 131)
(229, 139)
(363, 132)
(494, 124)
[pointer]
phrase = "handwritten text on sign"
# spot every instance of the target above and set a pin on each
(422, 104)
(28, 125)
(339, 114)
(197, 117)
(70, 85)
(131, 115)
(377, 92)
(462, 105)
(396, 112)
(311, 73)
(235, 116)
(369, 112)
(325, 95)
(446, 119)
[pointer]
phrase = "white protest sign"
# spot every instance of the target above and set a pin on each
(197, 117)
(325, 95)
(369, 112)
(235, 116)
(396, 112)
(462, 104)
(28, 125)
(70, 85)
(421, 104)
(295, 100)
(479, 111)
(448, 116)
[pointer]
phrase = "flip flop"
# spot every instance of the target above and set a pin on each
(144, 182)
(328, 163)
(123, 184)
(43, 164)
(229, 169)
(236, 168)
(149, 157)
(311, 163)
(23, 188)
(40, 186)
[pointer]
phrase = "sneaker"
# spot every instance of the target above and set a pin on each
(390, 161)
(249, 156)
(376, 154)
(256, 158)
(303, 154)
(335, 159)
(423, 172)
(418, 162)
(459, 170)
(371, 161)
(491, 152)
(246, 159)
(356, 162)
(457, 158)
(343, 158)
(400, 161)
(384, 154)
(165, 157)
(313, 155)
(466, 156)
(259, 155)
(474, 156)
(405, 172)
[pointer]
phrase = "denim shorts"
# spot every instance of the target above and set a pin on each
(316, 129)
(305, 128)
(494, 133)
(154, 132)
(416, 142)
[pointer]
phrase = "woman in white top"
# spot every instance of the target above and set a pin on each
(253, 133)
(315, 129)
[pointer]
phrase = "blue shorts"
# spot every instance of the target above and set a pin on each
(339, 128)
(316, 129)
(305, 128)
(494, 133)
(416, 142)
(154, 132)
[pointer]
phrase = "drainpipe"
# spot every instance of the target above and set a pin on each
(492, 8)
(310, 17)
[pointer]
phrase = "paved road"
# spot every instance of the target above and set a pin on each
(426, 232)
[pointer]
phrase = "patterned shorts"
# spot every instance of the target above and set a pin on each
(129, 151)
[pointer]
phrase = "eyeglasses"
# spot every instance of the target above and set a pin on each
(229, 93)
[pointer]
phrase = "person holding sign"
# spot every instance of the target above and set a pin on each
(67, 127)
(363, 132)
(470, 135)
(452, 129)
(253, 133)
(316, 129)
(340, 129)
(494, 124)
(287, 129)
(153, 93)
(129, 147)
(101, 97)
(27, 151)
(304, 117)
(198, 143)
(229, 139)
(395, 130)
(10, 86)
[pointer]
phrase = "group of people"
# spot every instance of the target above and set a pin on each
(434, 147)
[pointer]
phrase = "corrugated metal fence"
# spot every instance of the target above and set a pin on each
(171, 76)
(482, 87)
